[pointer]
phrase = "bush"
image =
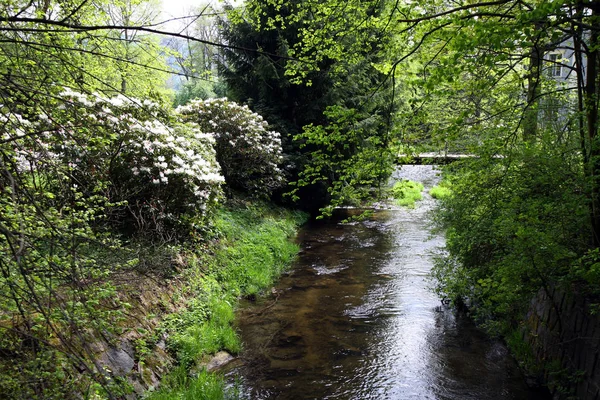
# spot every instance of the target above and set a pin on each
(159, 175)
(407, 193)
(440, 191)
(249, 153)
(512, 225)
(171, 179)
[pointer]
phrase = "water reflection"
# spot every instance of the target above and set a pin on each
(355, 319)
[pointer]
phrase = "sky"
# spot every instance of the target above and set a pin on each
(176, 8)
(179, 8)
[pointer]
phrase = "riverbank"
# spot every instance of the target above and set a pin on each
(250, 249)
(518, 255)
(169, 311)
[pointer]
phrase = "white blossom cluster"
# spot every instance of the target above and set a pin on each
(138, 151)
(249, 153)
(181, 151)
(155, 150)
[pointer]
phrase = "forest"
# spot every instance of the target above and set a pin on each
(152, 176)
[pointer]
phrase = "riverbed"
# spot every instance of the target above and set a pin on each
(356, 318)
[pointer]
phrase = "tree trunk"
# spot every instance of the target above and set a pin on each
(536, 59)
(591, 105)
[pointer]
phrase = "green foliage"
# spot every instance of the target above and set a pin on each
(348, 156)
(197, 89)
(407, 193)
(204, 326)
(440, 192)
(256, 242)
(54, 268)
(587, 269)
(513, 225)
(334, 102)
(180, 386)
(252, 251)
(115, 61)
(249, 154)
(522, 351)
(259, 78)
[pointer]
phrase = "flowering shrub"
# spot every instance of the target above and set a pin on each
(247, 151)
(72, 166)
(160, 175)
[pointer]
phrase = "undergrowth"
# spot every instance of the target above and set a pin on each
(251, 249)
(407, 193)
(440, 191)
(179, 385)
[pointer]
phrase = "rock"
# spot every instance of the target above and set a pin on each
(162, 343)
(220, 359)
(159, 361)
(118, 361)
(148, 376)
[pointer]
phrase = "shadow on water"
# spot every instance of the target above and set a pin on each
(355, 319)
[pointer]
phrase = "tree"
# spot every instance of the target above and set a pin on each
(139, 60)
(197, 61)
(310, 109)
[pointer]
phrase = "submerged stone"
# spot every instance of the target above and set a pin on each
(219, 360)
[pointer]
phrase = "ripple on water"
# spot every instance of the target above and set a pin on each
(322, 269)
(361, 322)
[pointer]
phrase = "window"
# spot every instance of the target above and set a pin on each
(555, 65)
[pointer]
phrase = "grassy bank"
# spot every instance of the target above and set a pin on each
(250, 249)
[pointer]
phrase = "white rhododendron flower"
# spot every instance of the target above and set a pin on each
(150, 162)
(248, 152)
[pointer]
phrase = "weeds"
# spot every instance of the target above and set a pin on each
(252, 250)
(440, 191)
(180, 386)
(407, 193)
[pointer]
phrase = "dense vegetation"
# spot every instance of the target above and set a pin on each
(253, 249)
(102, 179)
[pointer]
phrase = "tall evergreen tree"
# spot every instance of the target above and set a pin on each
(260, 77)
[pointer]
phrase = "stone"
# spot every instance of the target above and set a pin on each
(119, 360)
(147, 376)
(219, 360)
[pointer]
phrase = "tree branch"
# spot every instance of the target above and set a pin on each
(71, 27)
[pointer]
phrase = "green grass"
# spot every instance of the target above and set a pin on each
(407, 193)
(180, 386)
(252, 249)
(440, 191)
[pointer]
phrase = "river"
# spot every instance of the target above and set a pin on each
(355, 318)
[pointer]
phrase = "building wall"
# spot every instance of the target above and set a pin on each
(563, 331)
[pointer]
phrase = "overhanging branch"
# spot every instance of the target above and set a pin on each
(68, 27)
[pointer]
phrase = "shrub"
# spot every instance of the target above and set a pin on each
(512, 225)
(160, 175)
(247, 151)
(440, 192)
(407, 193)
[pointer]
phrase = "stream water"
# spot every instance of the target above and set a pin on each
(355, 318)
